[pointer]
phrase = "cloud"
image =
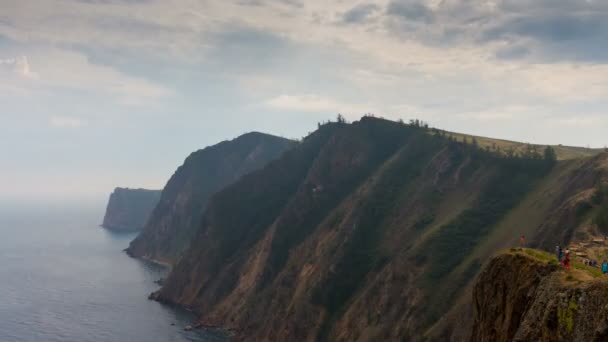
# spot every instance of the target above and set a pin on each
(261, 3)
(582, 121)
(243, 48)
(556, 37)
(58, 70)
(427, 53)
(538, 31)
(20, 65)
(66, 122)
(411, 10)
(23, 66)
(315, 104)
(360, 13)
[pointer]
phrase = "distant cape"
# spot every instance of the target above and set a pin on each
(129, 209)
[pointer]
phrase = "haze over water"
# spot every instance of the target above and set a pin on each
(65, 279)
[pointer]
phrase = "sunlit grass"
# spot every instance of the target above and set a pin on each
(550, 258)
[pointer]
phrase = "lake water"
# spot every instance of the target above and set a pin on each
(62, 278)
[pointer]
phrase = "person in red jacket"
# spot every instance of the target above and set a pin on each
(522, 240)
(567, 260)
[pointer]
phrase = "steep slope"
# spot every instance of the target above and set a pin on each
(129, 209)
(366, 231)
(522, 298)
(562, 209)
(176, 218)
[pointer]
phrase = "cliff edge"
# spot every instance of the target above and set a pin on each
(527, 296)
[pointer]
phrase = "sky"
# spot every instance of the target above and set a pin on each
(96, 94)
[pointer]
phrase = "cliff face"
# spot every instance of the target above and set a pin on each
(519, 298)
(365, 231)
(129, 209)
(178, 215)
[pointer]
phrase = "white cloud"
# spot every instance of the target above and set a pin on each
(66, 122)
(23, 67)
(582, 121)
(20, 65)
(58, 69)
(315, 104)
(379, 68)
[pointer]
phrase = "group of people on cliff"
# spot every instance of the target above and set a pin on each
(563, 257)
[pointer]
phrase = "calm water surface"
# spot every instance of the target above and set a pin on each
(62, 278)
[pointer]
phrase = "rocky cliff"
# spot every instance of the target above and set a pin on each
(129, 209)
(519, 297)
(178, 215)
(369, 231)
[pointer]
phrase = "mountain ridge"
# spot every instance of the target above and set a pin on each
(174, 220)
(374, 230)
(372, 211)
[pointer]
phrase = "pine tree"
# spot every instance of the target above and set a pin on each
(550, 154)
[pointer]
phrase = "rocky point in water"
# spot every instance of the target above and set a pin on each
(129, 209)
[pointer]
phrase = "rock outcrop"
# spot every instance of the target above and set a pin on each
(520, 298)
(178, 215)
(129, 209)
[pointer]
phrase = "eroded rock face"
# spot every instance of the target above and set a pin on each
(129, 209)
(517, 298)
(176, 218)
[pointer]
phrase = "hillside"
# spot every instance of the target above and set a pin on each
(129, 209)
(563, 152)
(177, 216)
(372, 230)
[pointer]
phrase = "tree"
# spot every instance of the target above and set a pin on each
(341, 119)
(550, 154)
(511, 152)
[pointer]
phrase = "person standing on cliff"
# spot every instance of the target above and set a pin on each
(522, 240)
(605, 268)
(567, 260)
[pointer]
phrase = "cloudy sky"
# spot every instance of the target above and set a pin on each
(100, 93)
